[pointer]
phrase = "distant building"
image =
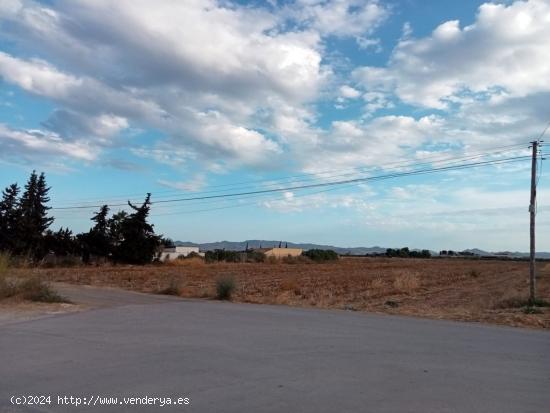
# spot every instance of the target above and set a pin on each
(175, 252)
(280, 252)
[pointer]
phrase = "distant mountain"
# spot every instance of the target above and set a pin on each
(510, 254)
(255, 243)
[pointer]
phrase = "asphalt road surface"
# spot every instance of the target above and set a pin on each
(227, 357)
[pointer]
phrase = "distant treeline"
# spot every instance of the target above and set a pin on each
(219, 255)
(406, 253)
(124, 237)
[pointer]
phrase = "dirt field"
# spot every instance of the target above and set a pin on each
(472, 290)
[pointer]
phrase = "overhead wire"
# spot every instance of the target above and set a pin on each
(317, 175)
(351, 184)
(324, 179)
(376, 178)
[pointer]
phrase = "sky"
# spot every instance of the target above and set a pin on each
(201, 98)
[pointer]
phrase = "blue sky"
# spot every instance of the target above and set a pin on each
(202, 97)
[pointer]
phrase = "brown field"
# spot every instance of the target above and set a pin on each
(456, 289)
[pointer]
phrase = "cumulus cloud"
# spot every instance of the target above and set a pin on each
(503, 54)
(29, 143)
(228, 86)
(376, 143)
(199, 71)
(342, 18)
(349, 93)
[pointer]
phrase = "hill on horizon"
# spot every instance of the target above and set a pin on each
(255, 243)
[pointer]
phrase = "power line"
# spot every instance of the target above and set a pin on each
(273, 183)
(317, 185)
(341, 187)
(319, 175)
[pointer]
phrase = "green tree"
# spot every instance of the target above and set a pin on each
(34, 220)
(137, 242)
(115, 228)
(61, 243)
(9, 217)
(97, 241)
(319, 255)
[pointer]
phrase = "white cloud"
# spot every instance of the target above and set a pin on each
(37, 77)
(378, 142)
(195, 183)
(349, 93)
(10, 8)
(31, 145)
(198, 71)
(503, 54)
(342, 18)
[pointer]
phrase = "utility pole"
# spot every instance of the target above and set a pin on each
(532, 278)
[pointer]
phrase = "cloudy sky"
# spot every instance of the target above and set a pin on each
(194, 98)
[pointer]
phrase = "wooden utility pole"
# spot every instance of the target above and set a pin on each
(532, 213)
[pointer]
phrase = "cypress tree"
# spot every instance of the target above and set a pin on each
(34, 220)
(98, 237)
(9, 217)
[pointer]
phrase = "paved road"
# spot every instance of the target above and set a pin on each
(242, 358)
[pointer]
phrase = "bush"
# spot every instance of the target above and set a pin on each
(532, 310)
(173, 288)
(300, 259)
(318, 255)
(34, 289)
(255, 256)
(518, 302)
(222, 255)
(474, 273)
(225, 287)
(7, 289)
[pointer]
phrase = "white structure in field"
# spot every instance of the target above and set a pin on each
(175, 252)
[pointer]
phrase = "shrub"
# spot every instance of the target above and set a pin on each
(173, 288)
(538, 302)
(532, 310)
(34, 289)
(319, 255)
(225, 287)
(255, 256)
(7, 289)
(474, 273)
(222, 255)
(300, 259)
(518, 302)
(271, 260)
(4, 262)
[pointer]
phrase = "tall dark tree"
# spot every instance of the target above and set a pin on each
(34, 220)
(116, 235)
(100, 218)
(100, 244)
(9, 217)
(61, 243)
(96, 242)
(138, 242)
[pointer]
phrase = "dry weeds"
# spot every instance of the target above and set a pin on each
(471, 290)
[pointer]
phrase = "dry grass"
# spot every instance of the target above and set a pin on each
(24, 287)
(186, 262)
(407, 283)
(440, 288)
